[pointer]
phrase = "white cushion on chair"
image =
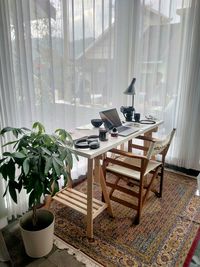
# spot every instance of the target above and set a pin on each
(132, 173)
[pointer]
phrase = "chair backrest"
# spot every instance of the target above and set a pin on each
(161, 146)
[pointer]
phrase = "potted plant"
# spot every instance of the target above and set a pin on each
(36, 163)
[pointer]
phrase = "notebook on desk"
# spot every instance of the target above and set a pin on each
(111, 120)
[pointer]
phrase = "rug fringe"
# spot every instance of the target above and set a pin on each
(79, 255)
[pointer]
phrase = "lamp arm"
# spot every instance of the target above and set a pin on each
(133, 101)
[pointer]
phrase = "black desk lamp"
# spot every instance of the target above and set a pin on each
(128, 111)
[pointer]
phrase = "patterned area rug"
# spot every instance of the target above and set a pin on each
(163, 238)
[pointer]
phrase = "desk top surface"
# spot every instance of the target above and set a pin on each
(112, 142)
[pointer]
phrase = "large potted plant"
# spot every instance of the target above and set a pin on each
(35, 163)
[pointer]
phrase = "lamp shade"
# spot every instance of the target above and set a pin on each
(131, 89)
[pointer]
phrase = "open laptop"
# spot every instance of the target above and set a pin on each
(111, 119)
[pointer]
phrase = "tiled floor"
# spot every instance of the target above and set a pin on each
(18, 257)
(59, 258)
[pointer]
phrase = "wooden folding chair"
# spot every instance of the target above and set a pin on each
(163, 154)
(140, 170)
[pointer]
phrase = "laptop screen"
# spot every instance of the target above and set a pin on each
(110, 118)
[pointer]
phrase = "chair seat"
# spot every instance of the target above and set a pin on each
(152, 165)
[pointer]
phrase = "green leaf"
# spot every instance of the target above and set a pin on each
(3, 171)
(63, 153)
(19, 185)
(66, 175)
(60, 162)
(48, 139)
(12, 191)
(15, 132)
(5, 191)
(48, 152)
(55, 155)
(5, 130)
(11, 169)
(10, 143)
(48, 165)
(69, 159)
(18, 155)
(30, 182)
(64, 135)
(8, 170)
(26, 129)
(55, 188)
(76, 156)
(39, 127)
(56, 167)
(26, 166)
(7, 154)
(70, 150)
(25, 150)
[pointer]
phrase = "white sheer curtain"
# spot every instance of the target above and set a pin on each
(186, 149)
(160, 42)
(60, 60)
(63, 61)
(56, 64)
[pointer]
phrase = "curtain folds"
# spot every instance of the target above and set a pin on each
(61, 62)
(167, 66)
(186, 151)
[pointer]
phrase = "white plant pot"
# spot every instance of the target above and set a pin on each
(40, 242)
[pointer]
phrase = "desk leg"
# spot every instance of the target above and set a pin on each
(130, 142)
(89, 199)
(105, 193)
(96, 170)
(149, 134)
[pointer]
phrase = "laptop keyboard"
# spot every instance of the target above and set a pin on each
(122, 128)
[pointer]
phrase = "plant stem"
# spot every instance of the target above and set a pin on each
(34, 217)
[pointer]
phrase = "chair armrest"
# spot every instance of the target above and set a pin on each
(146, 138)
(126, 154)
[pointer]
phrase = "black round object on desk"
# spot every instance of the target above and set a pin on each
(103, 135)
(96, 122)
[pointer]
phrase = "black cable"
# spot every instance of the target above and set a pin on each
(147, 122)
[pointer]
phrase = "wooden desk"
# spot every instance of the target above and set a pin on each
(85, 203)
